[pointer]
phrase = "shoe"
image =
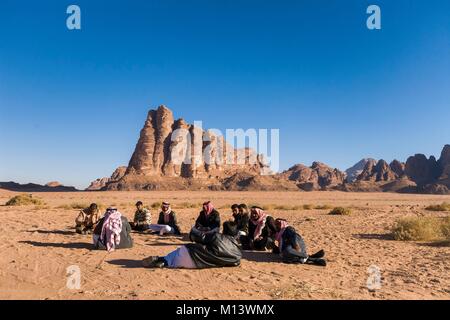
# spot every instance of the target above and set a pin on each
(153, 262)
(319, 254)
(317, 262)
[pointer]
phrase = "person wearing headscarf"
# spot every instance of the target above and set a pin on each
(167, 221)
(292, 247)
(112, 232)
(87, 219)
(142, 218)
(215, 250)
(261, 231)
(207, 222)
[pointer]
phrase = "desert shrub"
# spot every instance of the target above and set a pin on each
(24, 200)
(439, 207)
(308, 207)
(341, 211)
(418, 229)
(73, 205)
(445, 228)
(189, 205)
(323, 207)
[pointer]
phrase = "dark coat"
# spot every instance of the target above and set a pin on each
(216, 250)
(173, 223)
(212, 221)
(290, 240)
(125, 235)
(242, 221)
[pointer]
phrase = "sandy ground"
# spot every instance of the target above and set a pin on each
(38, 244)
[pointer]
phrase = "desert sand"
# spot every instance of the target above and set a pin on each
(39, 243)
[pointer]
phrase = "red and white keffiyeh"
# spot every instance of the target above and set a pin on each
(260, 222)
(112, 226)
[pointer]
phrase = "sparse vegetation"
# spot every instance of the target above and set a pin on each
(156, 205)
(24, 200)
(341, 211)
(422, 229)
(73, 206)
(439, 207)
(308, 207)
(323, 207)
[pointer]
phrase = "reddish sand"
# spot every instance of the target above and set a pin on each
(39, 243)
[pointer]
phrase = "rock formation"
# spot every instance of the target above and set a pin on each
(100, 183)
(171, 154)
(34, 187)
(381, 171)
(353, 172)
(317, 177)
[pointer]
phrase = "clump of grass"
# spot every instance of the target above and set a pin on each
(156, 205)
(189, 205)
(73, 205)
(439, 207)
(421, 229)
(308, 207)
(323, 207)
(24, 200)
(341, 211)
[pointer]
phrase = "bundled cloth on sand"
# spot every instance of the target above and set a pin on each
(207, 222)
(261, 232)
(112, 232)
(167, 221)
(86, 220)
(215, 250)
(292, 247)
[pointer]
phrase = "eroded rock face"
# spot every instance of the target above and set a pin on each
(422, 170)
(378, 171)
(353, 172)
(101, 183)
(176, 149)
(317, 177)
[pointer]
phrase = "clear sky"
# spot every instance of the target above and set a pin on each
(72, 102)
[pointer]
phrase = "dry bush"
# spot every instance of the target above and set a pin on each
(421, 229)
(156, 205)
(308, 207)
(439, 207)
(24, 200)
(73, 205)
(323, 207)
(189, 205)
(340, 211)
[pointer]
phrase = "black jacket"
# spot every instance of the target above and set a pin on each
(269, 230)
(125, 235)
(212, 221)
(216, 250)
(242, 221)
(173, 223)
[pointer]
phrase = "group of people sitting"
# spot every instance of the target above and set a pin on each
(250, 230)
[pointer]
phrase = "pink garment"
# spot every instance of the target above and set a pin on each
(260, 222)
(112, 226)
(208, 207)
(279, 234)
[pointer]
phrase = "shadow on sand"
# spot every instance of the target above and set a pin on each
(260, 256)
(374, 236)
(60, 232)
(127, 263)
(74, 245)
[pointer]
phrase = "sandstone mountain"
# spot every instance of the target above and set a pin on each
(100, 184)
(172, 154)
(34, 187)
(353, 172)
(317, 177)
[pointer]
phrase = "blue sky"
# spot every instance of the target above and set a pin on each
(72, 102)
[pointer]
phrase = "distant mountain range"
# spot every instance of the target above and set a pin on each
(33, 187)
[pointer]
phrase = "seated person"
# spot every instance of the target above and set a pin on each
(207, 222)
(86, 219)
(292, 247)
(167, 222)
(216, 250)
(241, 217)
(261, 231)
(112, 232)
(142, 218)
